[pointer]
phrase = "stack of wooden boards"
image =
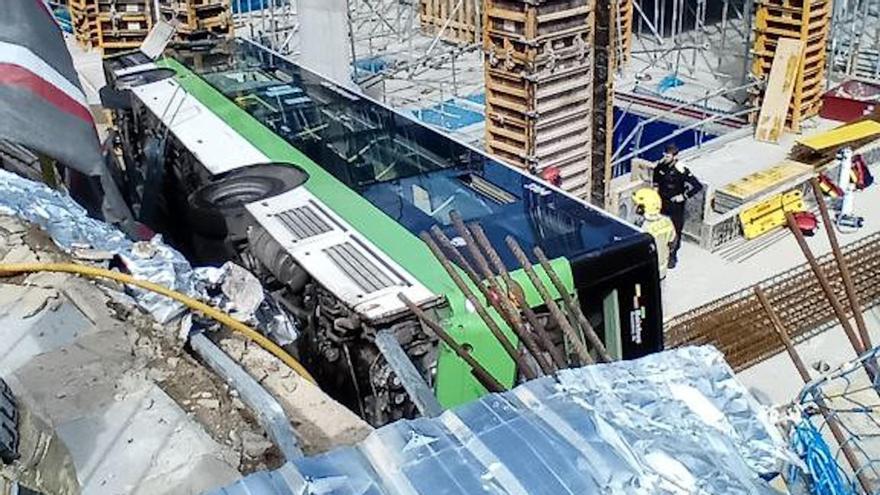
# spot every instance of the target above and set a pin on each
(539, 89)
(198, 19)
(758, 184)
(794, 33)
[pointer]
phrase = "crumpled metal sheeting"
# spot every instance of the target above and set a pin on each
(672, 423)
(698, 387)
(71, 228)
(237, 292)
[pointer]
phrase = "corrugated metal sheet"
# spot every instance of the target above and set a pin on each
(674, 422)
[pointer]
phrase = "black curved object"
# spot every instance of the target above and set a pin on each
(217, 209)
(142, 77)
(8, 425)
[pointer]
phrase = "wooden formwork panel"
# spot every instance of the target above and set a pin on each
(535, 22)
(538, 79)
(455, 21)
(804, 20)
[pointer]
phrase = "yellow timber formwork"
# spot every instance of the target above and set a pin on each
(805, 20)
(769, 215)
(840, 135)
(779, 89)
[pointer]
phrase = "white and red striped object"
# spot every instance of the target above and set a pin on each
(42, 105)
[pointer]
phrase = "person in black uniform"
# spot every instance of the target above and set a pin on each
(675, 184)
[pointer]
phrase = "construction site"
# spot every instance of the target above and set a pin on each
(381, 247)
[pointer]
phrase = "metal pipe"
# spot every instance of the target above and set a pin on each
(546, 365)
(580, 349)
(574, 309)
(842, 266)
(524, 368)
(833, 424)
(410, 377)
(268, 411)
(477, 370)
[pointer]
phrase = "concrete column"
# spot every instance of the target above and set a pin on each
(325, 47)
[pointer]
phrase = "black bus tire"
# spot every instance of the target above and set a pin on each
(8, 425)
(215, 209)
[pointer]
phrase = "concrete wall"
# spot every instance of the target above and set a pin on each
(324, 31)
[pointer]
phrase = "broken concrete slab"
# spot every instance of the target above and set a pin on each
(36, 321)
(320, 422)
(109, 446)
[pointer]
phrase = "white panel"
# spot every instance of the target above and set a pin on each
(310, 253)
(327, 21)
(216, 145)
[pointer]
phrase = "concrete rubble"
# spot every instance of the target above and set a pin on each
(136, 412)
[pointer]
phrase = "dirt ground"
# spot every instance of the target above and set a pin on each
(201, 393)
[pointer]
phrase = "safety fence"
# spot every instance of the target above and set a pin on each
(738, 326)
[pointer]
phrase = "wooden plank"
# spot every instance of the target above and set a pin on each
(779, 90)
(841, 135)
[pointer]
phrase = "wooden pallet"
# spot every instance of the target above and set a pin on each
(122, 31)
(196, 19)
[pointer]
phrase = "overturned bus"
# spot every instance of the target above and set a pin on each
(236, 153)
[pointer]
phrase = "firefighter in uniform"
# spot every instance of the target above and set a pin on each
(648, 204)
(675, 184)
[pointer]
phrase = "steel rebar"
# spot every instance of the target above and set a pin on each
(477, 370)
(573, 308)
(496, 297)
(826, 287)
(842, 266)
(832, 422)
(547, 365)
(580, 349)
(502, 339)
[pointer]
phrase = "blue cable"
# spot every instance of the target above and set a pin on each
(827, 477)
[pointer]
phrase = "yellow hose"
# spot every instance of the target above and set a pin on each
(7, 269)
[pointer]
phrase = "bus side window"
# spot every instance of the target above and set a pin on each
(611, 322)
